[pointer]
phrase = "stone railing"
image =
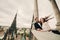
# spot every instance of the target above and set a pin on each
(37, 35)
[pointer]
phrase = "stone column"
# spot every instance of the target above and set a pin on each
(57, 13)
(36, 9)
(35, 13)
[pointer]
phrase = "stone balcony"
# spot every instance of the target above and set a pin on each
(37, 35)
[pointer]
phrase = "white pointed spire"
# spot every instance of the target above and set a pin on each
(36, 9)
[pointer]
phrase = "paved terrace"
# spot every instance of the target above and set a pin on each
(37, 35)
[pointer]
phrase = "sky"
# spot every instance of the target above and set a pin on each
(24, 10)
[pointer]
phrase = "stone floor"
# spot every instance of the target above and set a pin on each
(45, 35)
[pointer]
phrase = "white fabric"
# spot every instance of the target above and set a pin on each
(45, 26)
